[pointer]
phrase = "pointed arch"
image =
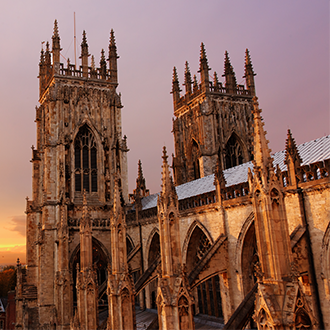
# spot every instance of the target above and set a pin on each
(153, 242)
(86, 161)
(195, 154)
(235, 151)
(101, 259)
(129, 244)
(197, 241)
(246, 253)
(325, 256)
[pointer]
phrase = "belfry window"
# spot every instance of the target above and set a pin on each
(195, 160)
(234, 154)
(85, 159)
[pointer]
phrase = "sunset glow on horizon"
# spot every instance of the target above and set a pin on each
(288, 43)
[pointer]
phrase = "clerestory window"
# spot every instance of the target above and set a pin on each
(85, 158)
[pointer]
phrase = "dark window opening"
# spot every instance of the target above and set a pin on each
(85, 153)
(234, 154)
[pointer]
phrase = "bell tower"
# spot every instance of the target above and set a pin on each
(212, 120)
(79, 149)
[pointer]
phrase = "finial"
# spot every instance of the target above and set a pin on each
(219, 177)
(175, 75)
(249, 74)
(164, 155)
(203, 53)
(248, 65)
(42, 57)
(56, 48)
(93, 63)
(112, 47)
(103, 65)
(175, 86)
(215, 82)
(228, 67)
(84, 39)
(291, 150)
(187, 78)
(140, 173)
(204, 70)
(203, 64)
(231, 84)
(195, 84)
(112, 39)
(261, 152)
(55, 34)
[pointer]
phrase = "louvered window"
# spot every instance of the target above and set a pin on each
(85, 161)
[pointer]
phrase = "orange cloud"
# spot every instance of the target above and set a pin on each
(18, 224)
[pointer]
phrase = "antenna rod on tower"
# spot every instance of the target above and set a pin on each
(74, 38)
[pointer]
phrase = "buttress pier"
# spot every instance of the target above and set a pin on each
(78, 152)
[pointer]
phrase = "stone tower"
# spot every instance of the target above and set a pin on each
(211, 120)
(79, 148)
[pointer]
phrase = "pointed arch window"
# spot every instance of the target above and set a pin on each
(195, 160)
(85, 160)
(234, 153)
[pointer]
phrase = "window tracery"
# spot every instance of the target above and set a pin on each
(234, 153)
(85, 155)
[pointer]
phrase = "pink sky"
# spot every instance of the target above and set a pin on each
(288, 43)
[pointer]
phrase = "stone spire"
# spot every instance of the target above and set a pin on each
(175, 87)
(292, 159)
(56, 48)
(141, 182)
(229, 74)
(42, 72)
(48, 61)
(187, 79)
(84, 55)
(249, 74)
(261, 152)
(168, 187)
(113, 58)
(103, 65)
(195, 84)
(204, 70)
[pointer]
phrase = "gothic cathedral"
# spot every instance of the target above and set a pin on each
(238, 235)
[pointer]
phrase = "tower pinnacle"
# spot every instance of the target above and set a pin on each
(229, 74)
(262, 158)
(187, 79)
(84, 55)
(113, 58)
(56, 48)
(175, 86)
(249, 73)
(204, 70)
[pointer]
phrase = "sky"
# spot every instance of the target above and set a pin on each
(288, 43)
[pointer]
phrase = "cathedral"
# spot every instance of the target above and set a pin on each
(236, 234)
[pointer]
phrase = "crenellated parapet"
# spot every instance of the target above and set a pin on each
(50, 67)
